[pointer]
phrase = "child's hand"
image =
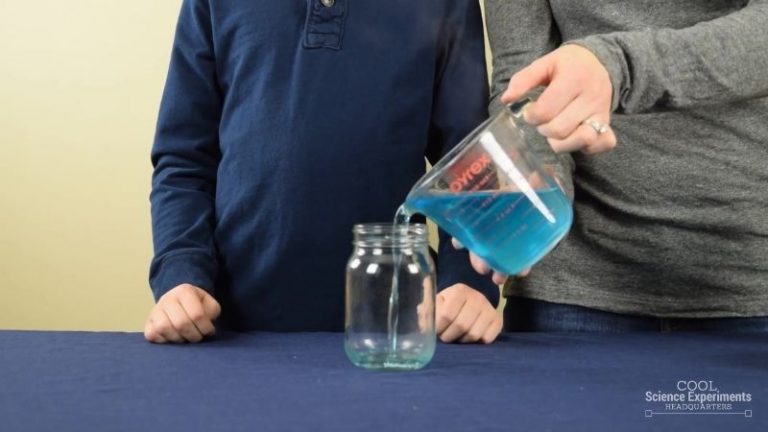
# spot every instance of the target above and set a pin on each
(465, 315)
(183, 314)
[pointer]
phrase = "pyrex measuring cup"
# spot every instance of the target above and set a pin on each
(493, 195)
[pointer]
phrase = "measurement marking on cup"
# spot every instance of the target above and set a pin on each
(497, 153)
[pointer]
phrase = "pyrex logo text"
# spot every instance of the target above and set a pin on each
(476, 168)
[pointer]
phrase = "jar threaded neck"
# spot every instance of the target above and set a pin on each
(390, 235)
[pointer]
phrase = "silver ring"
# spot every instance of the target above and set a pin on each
(596, 125)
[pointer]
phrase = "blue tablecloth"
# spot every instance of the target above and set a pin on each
(75, 381)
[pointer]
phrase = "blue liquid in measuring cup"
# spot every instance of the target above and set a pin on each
(507, 229)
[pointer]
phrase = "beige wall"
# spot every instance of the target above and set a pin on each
(80, 81)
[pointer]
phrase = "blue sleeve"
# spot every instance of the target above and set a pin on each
(185, 156)
(460, 104)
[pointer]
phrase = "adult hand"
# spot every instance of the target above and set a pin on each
(482, 267)
(183, 314)
(465, 315)
(574, 111)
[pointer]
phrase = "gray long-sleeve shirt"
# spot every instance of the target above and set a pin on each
(674, 221)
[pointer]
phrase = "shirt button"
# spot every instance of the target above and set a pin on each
(328, 3)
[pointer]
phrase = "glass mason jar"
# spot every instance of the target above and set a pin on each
(390, 298)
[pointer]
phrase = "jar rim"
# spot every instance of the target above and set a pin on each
(390, 234)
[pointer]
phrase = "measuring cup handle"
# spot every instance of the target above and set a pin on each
(517, 107)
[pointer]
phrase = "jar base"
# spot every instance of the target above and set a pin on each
(389, 362)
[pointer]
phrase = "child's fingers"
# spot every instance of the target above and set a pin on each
(447, 309)
(181, 322)
(464, 321)
(163, 325)
(493, 331)
(193, 307)
(151, 333)
(210, 305)
(479, 328)
(456, 244)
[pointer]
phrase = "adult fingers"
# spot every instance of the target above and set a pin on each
(482, 267)
(552, 102)
(605, 142)
(528, 78)
(568, 120)
(499, 278)
(587, 139)
(456, 244)
(479, 264)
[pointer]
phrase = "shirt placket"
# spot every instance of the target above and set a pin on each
(325, 23)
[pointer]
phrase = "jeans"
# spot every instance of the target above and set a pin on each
(529, 315)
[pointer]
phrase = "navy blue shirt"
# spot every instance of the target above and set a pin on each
(282, 124)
